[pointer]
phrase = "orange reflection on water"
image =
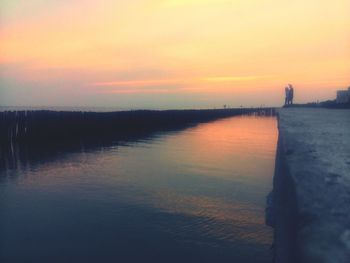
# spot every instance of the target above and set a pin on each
(236, 151)
(232, 143)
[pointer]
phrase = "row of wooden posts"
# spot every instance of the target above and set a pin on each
(17, 126)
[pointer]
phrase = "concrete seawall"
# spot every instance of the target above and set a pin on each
(309, 206)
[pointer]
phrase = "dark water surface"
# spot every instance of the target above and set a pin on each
(196, 195)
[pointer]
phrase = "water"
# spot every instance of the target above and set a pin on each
(196, 195)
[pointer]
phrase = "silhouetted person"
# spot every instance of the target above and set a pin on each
(286, 100)
(291, 93)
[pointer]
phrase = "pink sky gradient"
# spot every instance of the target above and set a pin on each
(172, 53)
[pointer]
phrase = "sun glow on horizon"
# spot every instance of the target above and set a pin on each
(197, 51)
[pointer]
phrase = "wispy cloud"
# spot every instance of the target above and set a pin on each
(134, 83)
(148, 82)
(157, 89)
(231, 78)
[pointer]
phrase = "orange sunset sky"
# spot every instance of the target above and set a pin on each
(172, 53)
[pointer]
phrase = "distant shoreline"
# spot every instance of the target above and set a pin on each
(114, 109)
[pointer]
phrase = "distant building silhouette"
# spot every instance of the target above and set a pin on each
(343, 96)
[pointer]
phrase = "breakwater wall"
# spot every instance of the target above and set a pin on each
(309, 205)
(32, 137)
(20, 126)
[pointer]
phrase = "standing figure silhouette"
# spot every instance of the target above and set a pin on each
(291, 93)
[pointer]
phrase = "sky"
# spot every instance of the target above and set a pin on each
(172, 53)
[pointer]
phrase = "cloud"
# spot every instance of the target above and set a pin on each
(147, 82)
(231, 78)
(134, 83)
(143, 90)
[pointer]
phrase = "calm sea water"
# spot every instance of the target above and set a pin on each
(196, 195)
